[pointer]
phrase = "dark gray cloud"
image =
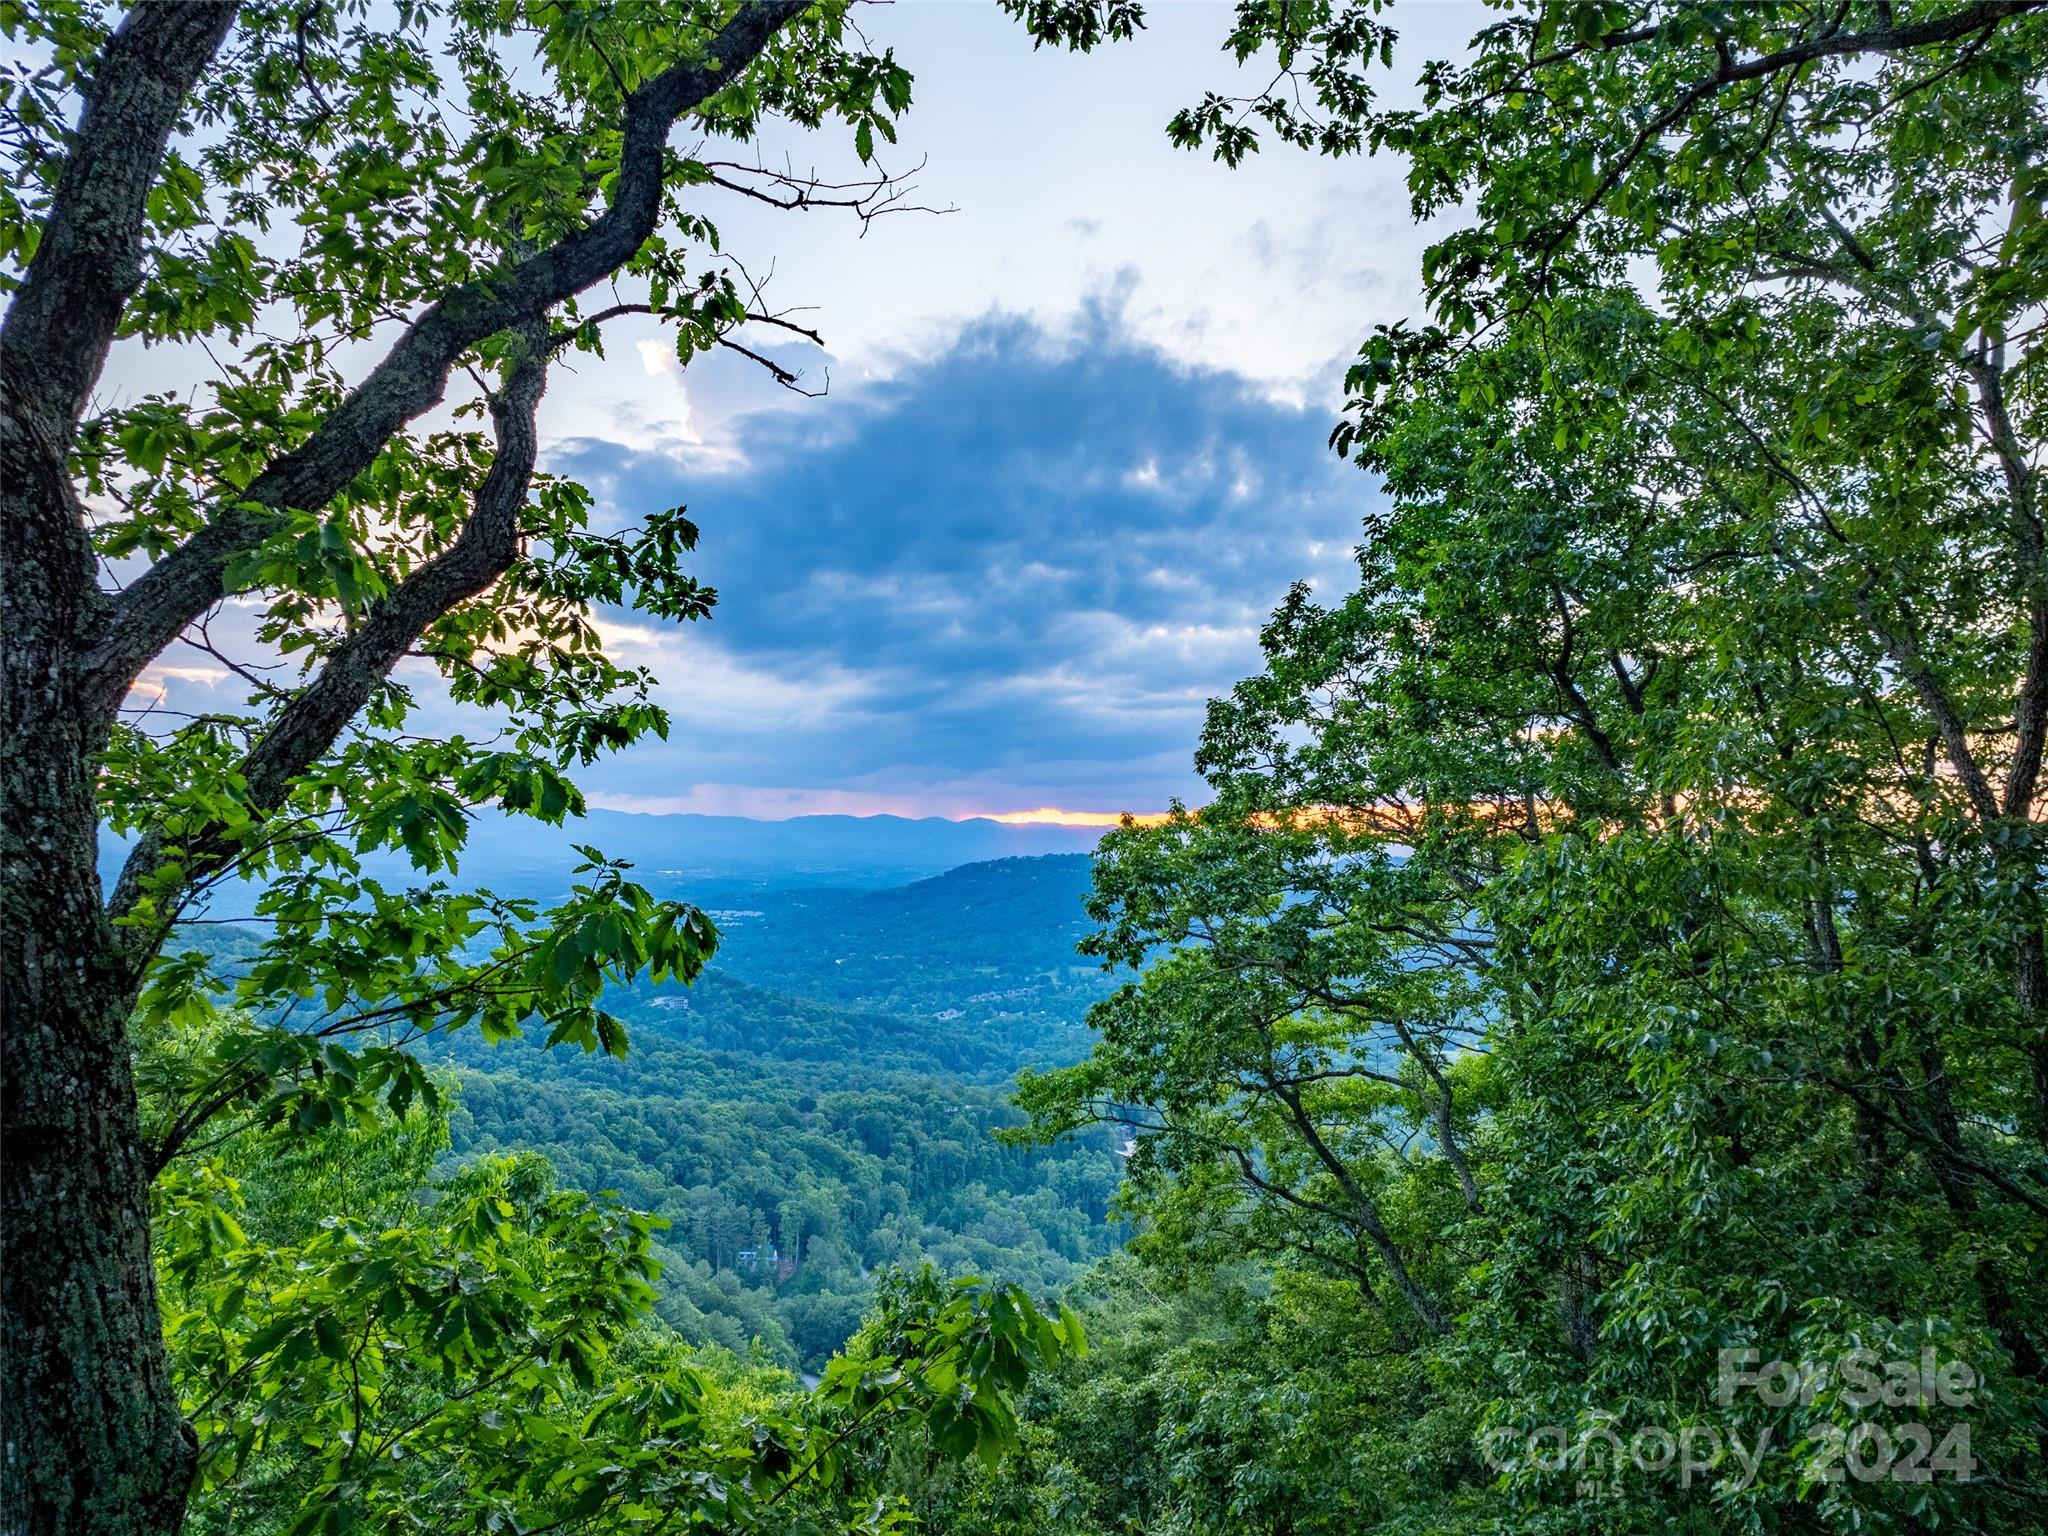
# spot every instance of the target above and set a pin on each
(1017, 569)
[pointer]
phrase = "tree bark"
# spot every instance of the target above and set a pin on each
(91, 1439)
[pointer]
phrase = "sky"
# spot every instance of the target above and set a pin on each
(1071, 453)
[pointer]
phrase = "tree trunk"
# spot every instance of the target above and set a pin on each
(91, 1439)
(2030, 991)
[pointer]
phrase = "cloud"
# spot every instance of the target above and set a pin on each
(956, 591)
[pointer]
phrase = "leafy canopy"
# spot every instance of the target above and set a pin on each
(362, 1343)
(1616, 935)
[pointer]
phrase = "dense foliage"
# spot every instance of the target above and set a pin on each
(783, 1196)
(361, 1344)
(1612, 961)
(796, 1146)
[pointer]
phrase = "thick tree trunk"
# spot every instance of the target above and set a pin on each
(91, 1440)
(90, 1435)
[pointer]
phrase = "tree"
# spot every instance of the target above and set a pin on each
(1864, 181)
(277, 193)
(1730, 1059)
(1681, 744)
(1305, 1011)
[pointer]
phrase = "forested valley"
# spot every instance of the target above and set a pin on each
(1580, 1065)
(795, 1136)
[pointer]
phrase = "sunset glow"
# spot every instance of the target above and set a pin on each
(1052, 816)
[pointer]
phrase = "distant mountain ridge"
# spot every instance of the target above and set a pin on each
(990, 945)
(712, 860)
(888, 847)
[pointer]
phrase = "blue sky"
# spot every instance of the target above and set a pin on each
(1071, 455)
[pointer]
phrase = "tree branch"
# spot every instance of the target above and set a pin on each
(54, 340)
(1965, 22)
(413, 375)
(306, 727)
(2030, 710)
(868, 200)
(1367, 1215)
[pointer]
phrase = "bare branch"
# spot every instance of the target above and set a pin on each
(868, 199)
(787, 378)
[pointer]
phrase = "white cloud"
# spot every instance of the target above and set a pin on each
(656, 356)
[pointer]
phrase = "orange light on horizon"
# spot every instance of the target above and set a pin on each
(1053, 816)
